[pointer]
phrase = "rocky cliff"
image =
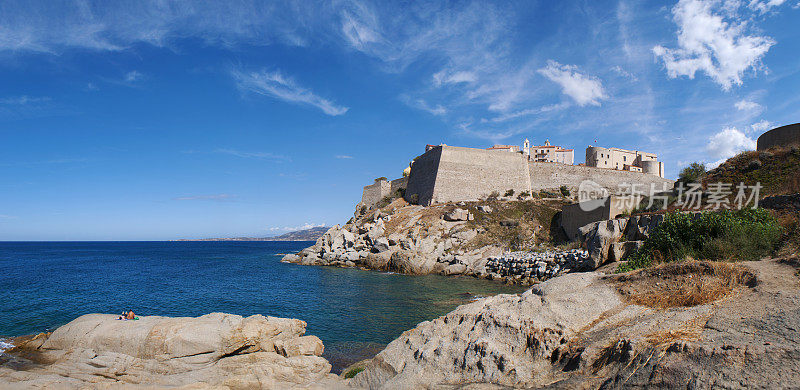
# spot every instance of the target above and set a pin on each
(468, 238)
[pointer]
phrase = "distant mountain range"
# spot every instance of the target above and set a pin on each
(311, 234)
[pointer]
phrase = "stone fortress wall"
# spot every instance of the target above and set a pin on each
(373, 193)
(549, 176)
(779, 137)
(466, 173)
(454, 174)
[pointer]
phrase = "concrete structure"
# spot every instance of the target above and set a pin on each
(624, 160)
(780, 137)
(453, 174)
(551, 153)
(574, 216)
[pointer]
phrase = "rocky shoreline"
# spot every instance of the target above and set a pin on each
(446, 240)
(579, 330)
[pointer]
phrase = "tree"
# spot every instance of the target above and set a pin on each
(693, 173)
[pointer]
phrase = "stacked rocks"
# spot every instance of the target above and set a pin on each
(530, 267)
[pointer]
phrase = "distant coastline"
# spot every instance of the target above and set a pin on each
(311, 234)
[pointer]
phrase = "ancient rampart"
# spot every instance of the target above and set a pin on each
(453, 174)
(780, 137)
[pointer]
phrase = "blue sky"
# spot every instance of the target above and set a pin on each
(150, 120)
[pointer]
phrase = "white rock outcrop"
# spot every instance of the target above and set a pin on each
(215, 350)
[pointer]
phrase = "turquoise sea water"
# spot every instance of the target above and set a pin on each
(46, 284)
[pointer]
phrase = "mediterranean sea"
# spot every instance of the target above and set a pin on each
(44, 285)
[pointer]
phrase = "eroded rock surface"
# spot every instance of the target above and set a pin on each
(577, 331)
(215, 350)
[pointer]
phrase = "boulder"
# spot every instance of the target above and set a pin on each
(485, 209)
(455, 269)
(509, 223)
(290, 258)
(377, 261)
(457, 215)
(621, 250)
(598, 239)
(214, 351)
(380, 245)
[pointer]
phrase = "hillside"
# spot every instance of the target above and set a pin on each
(777, 169)
(311, 234)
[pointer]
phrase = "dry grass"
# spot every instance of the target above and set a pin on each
(686, 331)
(682, 284)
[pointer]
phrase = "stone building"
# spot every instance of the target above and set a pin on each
(624, 160)
(550, 153)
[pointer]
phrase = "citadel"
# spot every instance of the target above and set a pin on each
(453, 174)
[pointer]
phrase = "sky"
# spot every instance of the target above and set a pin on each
(159, 120)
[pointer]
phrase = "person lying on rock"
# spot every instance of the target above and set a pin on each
(127, 315)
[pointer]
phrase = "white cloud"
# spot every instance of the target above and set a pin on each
(584, 90)
(443, 77)
(746, 105)
(764, 6)
(624, 73)
(344, 157)
(53, 27)
(284, 88)
(133, 76)
(726, 144)
(531, 111)
(4, 216)
(217, 197)
(760, 127)
(423, 105)
(256, 155)
(712, 40)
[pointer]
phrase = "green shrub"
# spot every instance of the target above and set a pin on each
(693, 173)
(564, 190)
(523, 195)
(353, 372)
(509, 193)
(742, 235)
(413, 199)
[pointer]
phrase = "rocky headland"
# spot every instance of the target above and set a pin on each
(498, 240)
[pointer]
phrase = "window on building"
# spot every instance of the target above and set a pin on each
(623, 158)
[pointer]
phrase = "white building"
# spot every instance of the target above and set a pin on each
(549, 153)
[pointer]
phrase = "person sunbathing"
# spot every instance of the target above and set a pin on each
(127, 315)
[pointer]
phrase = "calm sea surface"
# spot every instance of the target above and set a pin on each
(46, 284)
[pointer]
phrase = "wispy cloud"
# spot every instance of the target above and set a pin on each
(23, 100)
(276, 85)
(764, 6)
(344, 157)
(421, 104)
(53, 27)
(133, 76)
(254, 155)
(746, 105)
(215, 197)
(712, 38)
(4, 216)
(584, 90)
